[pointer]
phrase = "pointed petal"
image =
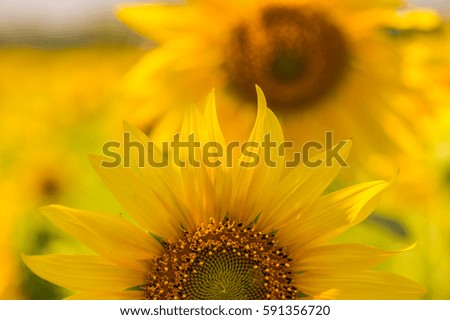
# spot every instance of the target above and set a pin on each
(254, 175)
(151, 20)
(84, 273)
(333, 214)
(340, 258)
(140, 198)
(199, 190)
(299, 190)
(220, 175)
(164, 178)
(110, 236)
(211, 120)
(359, 286)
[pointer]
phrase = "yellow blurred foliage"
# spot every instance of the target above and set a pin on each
(56, 107)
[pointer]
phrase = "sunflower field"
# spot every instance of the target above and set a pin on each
(228, 150)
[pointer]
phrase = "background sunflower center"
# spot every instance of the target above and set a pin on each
(296, 54)
(288, 66)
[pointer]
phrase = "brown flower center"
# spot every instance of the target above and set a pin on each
(224, 261)
(297, 55)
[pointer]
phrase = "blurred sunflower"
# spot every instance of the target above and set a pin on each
(427, 60)
(418, 205)
(201, 228)
(323, 65)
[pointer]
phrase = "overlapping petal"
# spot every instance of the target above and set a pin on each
(110, 236)
(359, 286)
(139, 197)
(332, 214)
(84, 273)
(344, 258)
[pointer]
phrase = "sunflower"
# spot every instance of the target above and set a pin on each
(417, 207)
(323, 65)
(223, 232)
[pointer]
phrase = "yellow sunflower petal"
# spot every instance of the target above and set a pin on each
(145, 19)
(108, 295)
(253, 179)
(268, 173)
(301, 188)
(164, 179)
(333, 214)
(84, 273)
(200, 193)
(359, 286)
(211, 119)
(139, 198)
(340, 258)
(220, 176)
(110, 236)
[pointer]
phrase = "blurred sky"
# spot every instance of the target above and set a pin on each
(64, 19)
(442, 5)
(55, 14)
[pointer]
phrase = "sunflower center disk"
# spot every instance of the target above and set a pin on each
(297, 55)
(222, 261)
